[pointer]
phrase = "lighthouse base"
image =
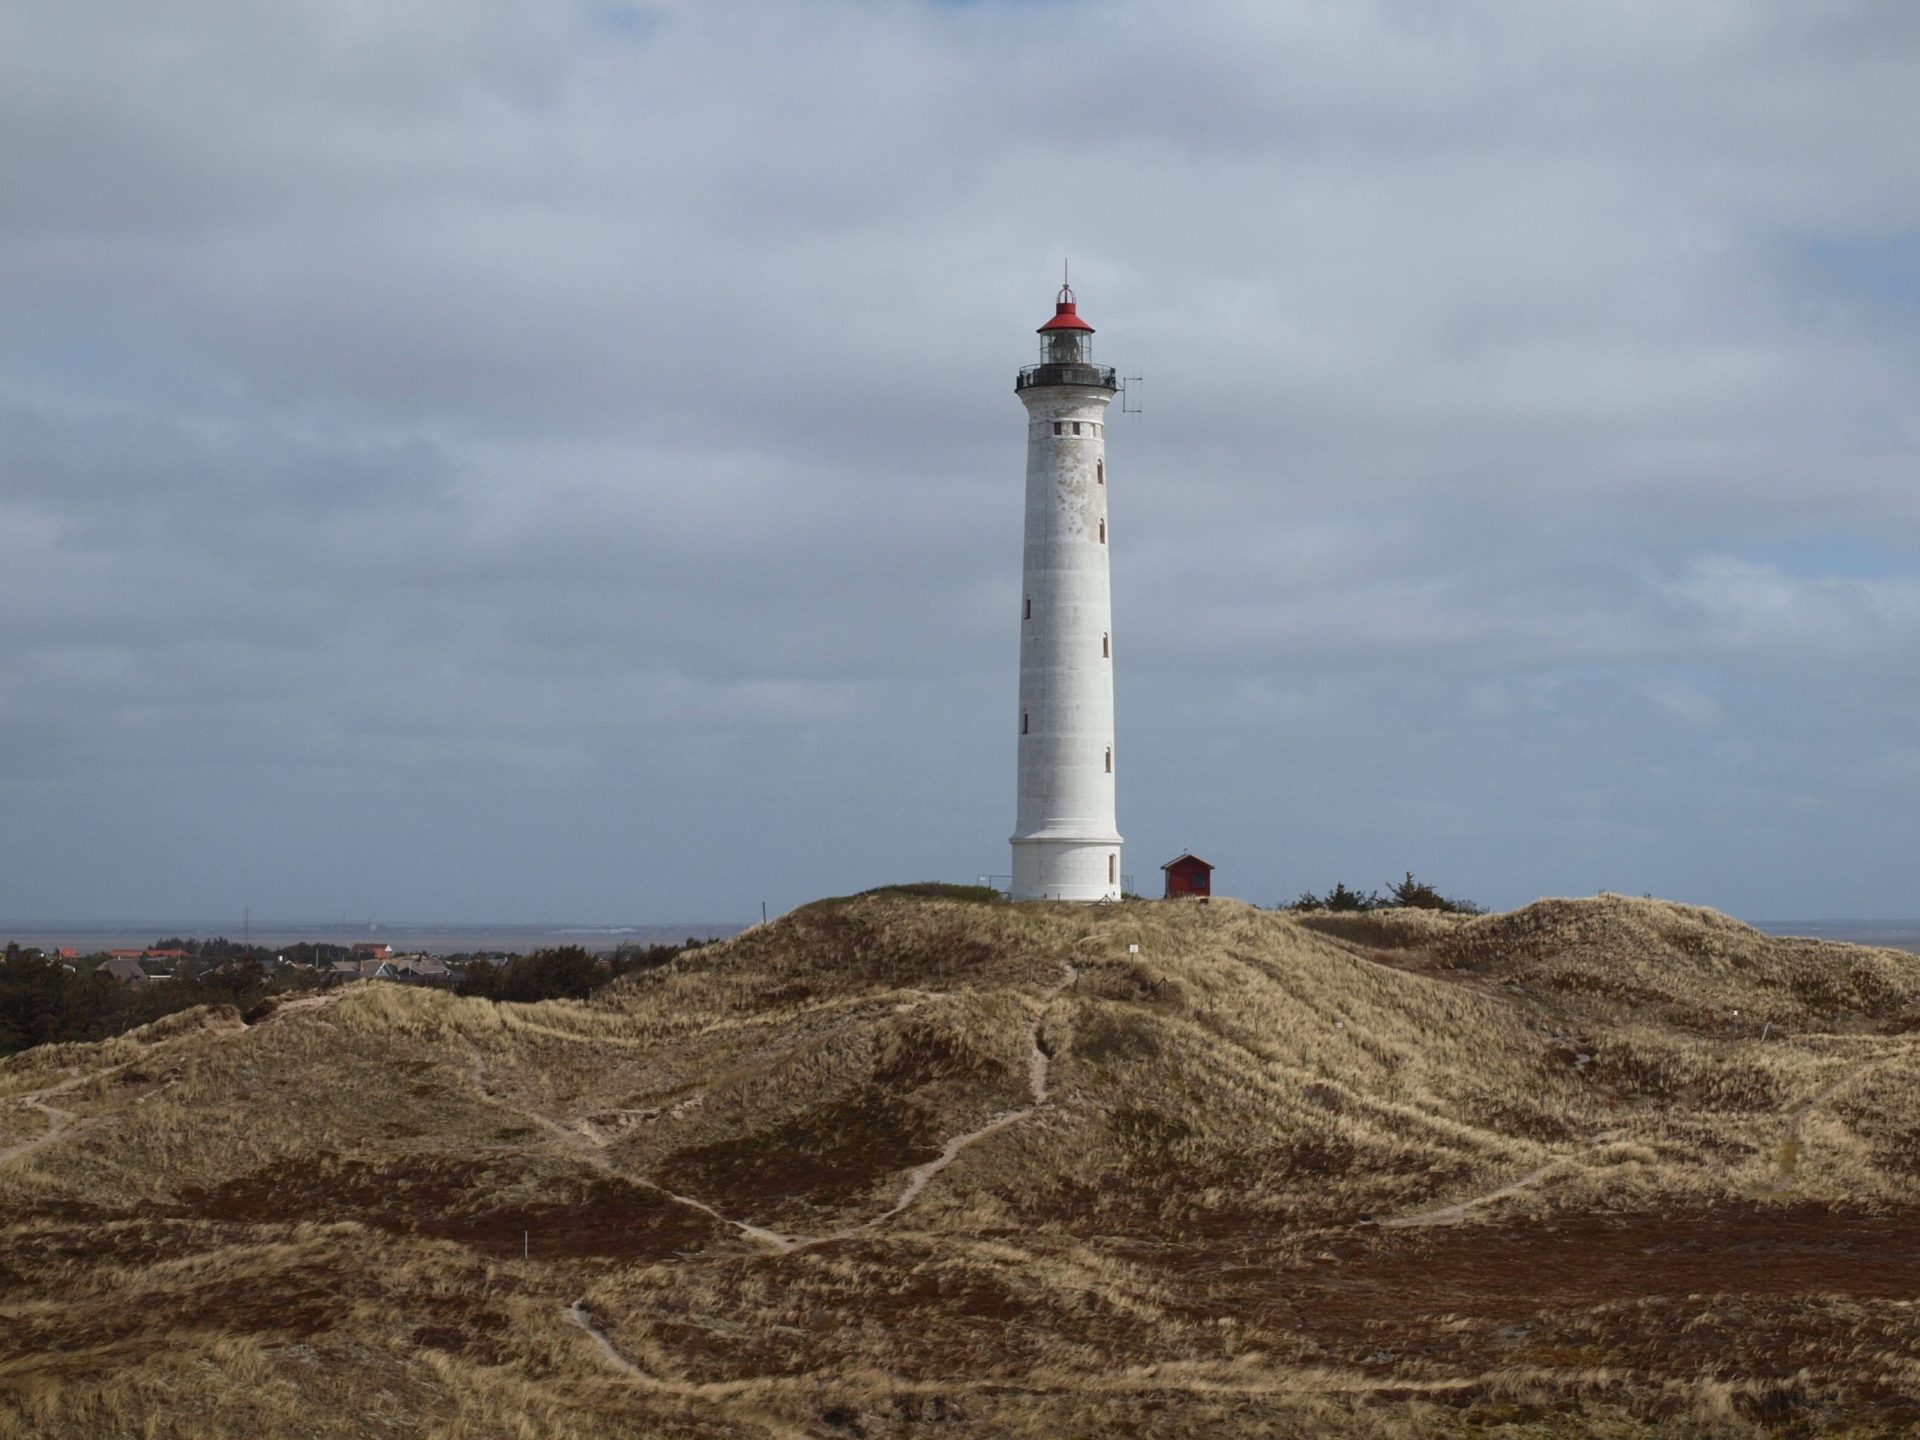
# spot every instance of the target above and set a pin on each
(1081, 868)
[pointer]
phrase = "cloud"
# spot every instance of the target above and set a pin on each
(1762, 614)
(581, 436)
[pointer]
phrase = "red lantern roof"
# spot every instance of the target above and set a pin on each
(1065, 315)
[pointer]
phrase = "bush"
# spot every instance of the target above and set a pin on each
(1409, 893)
(1418, 895)
(941, 890)
(629, 958)
(566, 973)
(1339, 898)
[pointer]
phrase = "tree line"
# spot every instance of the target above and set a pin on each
(42, 1001)
(568, 972)
(1409, 892)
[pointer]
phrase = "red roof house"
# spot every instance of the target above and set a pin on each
(1188, 877)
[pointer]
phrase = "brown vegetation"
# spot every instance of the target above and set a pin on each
(902, 1165)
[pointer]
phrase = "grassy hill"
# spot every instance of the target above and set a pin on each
(902, 1166)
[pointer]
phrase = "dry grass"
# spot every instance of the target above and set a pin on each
(1630, 1213)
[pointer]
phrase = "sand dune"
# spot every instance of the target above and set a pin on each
(878, 1169)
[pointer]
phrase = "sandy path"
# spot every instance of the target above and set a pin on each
(588, 1142)
(1457, 1212)
(578, 1316)
(1038, 1068)
(304, 1002)
(1791, 1143)
(65, 1122)
(785, 1244)
(1790, 1149)
(1194, 1378)
(59, 1122)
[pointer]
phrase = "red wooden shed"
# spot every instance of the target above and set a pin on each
(1188, 876)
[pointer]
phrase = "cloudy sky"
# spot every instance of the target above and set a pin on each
(557, 459)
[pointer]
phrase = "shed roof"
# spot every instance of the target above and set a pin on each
(1179, 859)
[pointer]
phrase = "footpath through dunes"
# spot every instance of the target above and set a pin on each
(902, 1166)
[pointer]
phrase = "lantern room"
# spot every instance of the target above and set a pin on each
(1066, 351)
(1066, 339)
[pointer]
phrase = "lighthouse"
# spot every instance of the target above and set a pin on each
(1066, 844)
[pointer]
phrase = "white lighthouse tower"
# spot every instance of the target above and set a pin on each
(1066, 845)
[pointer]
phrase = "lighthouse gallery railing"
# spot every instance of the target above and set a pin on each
(1100, 377)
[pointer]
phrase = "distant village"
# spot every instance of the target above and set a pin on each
(367, 960)
(60, 992)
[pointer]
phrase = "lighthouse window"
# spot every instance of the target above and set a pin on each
(1103, 532)
(1026, 609)
(1023, 722)
(1059, 427)
(1076, 427)
(1106, 646)
(1109, 759)
(1113, 866)
(1099, 472)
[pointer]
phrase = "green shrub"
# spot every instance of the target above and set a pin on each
(1409, 893)
(941, 890)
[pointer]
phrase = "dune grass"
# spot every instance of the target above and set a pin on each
(1395, 1174)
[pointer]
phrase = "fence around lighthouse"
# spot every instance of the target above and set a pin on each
(1004, 884)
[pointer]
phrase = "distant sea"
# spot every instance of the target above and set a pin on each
(452, 938)
(457, 937)
(1889, 934)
